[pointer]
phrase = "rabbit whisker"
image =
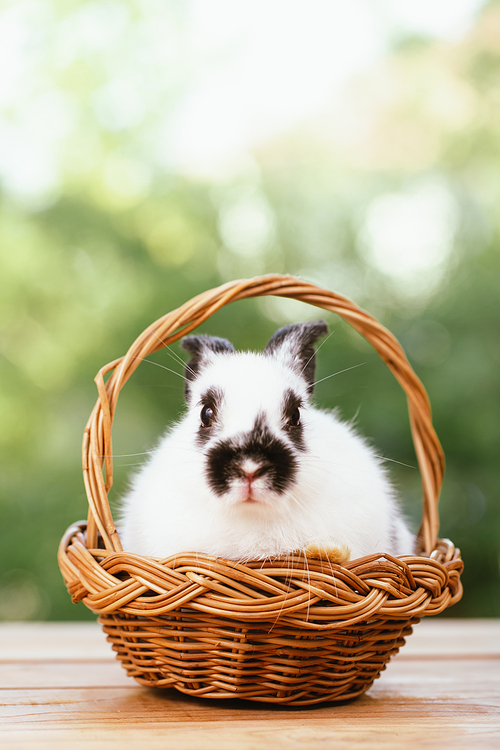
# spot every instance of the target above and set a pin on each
(306, 561)
(156, 385)
(134, 463)
(173, 354)
(353, 419)
(150, 361)
(339, 373)
(124, 455)
(179, 359)
(288, 580)
(393, 460)
(317, 350)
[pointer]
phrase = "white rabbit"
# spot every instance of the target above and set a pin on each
(254, 471)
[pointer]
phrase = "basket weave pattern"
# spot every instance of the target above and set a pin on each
(291, 630)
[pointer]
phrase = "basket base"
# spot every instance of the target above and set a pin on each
(265, 663)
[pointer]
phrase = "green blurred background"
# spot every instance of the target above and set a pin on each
(150, 150)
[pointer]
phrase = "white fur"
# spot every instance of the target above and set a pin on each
(341, 497)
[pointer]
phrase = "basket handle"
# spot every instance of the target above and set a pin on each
(97, 444)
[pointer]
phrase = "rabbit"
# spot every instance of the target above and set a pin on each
(254, 471)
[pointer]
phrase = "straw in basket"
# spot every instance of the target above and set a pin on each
(291, 630)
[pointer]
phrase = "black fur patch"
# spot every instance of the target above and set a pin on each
(202, 437)
(275, 459)
(297, 340)
(198, 347)
(295, 432)
(212, 398)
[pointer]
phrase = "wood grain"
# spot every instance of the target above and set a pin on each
(60, 687)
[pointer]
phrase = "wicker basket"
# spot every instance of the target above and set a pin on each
(287, 631)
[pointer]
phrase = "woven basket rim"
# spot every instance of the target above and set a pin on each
(377, 586)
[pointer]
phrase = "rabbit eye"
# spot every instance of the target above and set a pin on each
(207, 414)
(295, 418)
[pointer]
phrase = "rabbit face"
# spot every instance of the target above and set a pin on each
(251, 412)
(250, 435)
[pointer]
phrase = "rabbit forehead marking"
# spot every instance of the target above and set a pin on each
(227, 459)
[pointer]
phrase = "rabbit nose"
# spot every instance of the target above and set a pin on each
(251, 470)
(251, 475)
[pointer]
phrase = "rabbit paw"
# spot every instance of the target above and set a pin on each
(339, 555)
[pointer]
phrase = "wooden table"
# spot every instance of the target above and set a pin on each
(60, 687)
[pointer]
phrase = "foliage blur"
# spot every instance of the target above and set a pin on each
(389, 195)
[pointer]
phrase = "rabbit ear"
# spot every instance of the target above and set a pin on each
(200, 347)
(294, 345)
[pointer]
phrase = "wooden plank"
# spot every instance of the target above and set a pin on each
(57, 641)
(455, 690)
(450, 683)
(28, 641)
(444, 637)
(464, 673)
(67, 675)
(387, 734)
(60, 688)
